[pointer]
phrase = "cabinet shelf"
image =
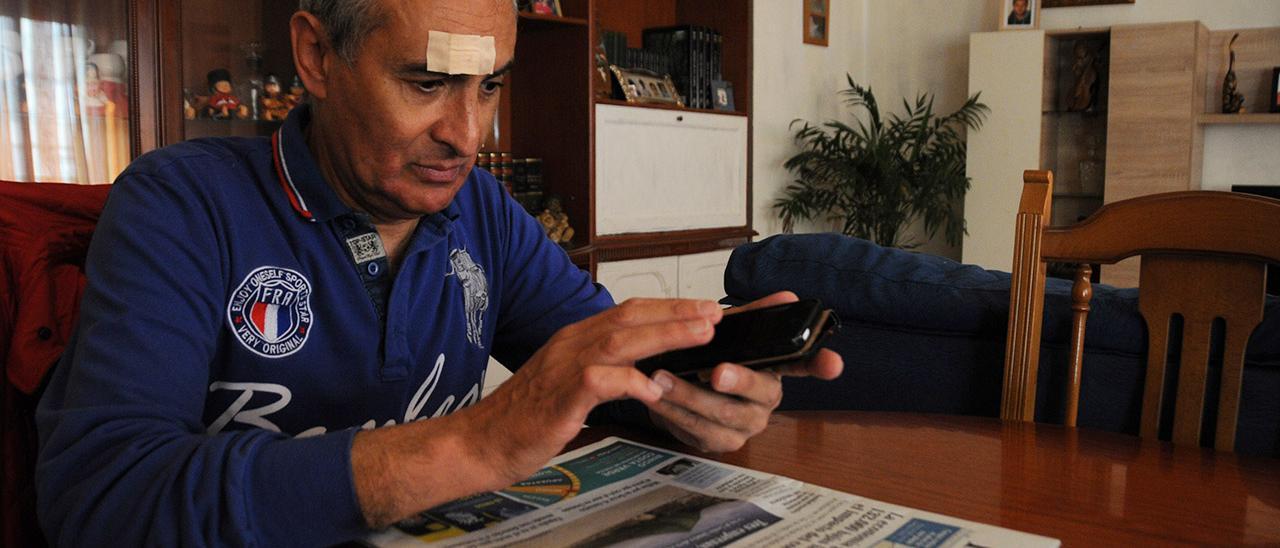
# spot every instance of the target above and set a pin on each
(538, 18)
(1082, 113)
(1078, 195)
(1256, 118)
(662, 106)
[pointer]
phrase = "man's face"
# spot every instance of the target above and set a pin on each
(1020, 7)
(402, 139)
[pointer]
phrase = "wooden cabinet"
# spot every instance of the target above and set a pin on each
(655, 277)
(1154, 143)
(693, 276)
(638, 181)
(701, 275)
(662, 170)
(1146, 120)
(69, 90)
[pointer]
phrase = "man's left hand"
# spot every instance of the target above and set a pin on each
(738, 404)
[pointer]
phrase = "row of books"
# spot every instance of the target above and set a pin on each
(616, 50)
(695, 59)
(522, 177)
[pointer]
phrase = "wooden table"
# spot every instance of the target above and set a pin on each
(1081, 486)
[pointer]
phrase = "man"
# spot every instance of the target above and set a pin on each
(252, 303)
(1020, 15)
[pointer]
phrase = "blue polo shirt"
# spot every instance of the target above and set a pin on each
(240, 324)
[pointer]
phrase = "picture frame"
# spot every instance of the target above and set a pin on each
(642, 86)
(544, 7)
(1019, 14)
(817, 19)
(722, 95)
(1078, 3)
(1275, 90)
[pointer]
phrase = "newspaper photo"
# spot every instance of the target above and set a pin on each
(619, 493)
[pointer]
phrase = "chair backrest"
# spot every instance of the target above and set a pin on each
(1203, 265)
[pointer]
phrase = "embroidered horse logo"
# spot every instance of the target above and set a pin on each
(475, 292)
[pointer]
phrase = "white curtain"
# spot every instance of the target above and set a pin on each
(63, 103)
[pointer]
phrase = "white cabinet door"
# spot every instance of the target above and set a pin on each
(702, 275)
(659, 170)
(1008, 68)
(655, 278)
(697, 276)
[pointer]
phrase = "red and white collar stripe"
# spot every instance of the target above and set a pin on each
(286, 180)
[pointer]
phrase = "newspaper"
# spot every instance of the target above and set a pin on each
(621, 493)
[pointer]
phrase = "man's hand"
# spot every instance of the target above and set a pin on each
(741, 399)
(544, 404)
(526, 421)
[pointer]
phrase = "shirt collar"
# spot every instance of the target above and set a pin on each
(304, 185)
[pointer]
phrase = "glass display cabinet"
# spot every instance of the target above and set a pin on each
(65, 93)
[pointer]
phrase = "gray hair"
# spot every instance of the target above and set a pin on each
(348, 22)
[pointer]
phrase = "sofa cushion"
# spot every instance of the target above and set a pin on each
(926, 334)
(868, 283)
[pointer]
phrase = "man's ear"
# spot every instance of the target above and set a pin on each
(312, 54)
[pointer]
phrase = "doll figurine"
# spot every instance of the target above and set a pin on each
(1086, 71)
(273, 103)
(1232, 100)
(223, 105)
(555, 223)
(296, 94)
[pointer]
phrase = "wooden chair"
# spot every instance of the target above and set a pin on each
(1204, 257)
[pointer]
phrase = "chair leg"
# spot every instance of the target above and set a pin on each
(1081, 292)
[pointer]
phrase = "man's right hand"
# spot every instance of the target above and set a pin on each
(513, 432)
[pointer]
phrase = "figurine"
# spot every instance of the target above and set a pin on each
(1086, 71)
(604, 84)
(274, 106)
(223, 105)
(297, 94)
(555, 223)
(94, 103)
(1232, 100)
(188, 104)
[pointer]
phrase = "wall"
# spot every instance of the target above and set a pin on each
(796, 80)
(922, 46)
(901, 47)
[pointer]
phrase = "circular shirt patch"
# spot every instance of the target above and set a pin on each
(270, 312)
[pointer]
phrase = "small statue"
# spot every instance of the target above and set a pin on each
(1085, 68)
(273, 102)
(1232, 100)
(223, 105)
(297, 93)
(188, 105)
(604, 83)
(94, 102)
(555, 223)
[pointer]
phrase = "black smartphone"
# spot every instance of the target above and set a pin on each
(756, 338)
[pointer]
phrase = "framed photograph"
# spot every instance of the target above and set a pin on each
(1019, 14)
(544, 7)
(1074, 3)
(817, 15)
(722, 95)
(642, 86)
(1275, 90)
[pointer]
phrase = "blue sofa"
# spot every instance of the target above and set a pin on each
(923, 333)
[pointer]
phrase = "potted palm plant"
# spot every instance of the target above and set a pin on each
(879, 175)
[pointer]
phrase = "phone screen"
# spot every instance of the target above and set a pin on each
(745, 337)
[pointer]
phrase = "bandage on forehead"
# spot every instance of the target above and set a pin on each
(450, 53)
